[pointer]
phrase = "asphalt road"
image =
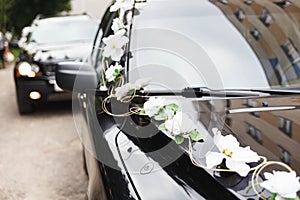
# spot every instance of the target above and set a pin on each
(40, 154)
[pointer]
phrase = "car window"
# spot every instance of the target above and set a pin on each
(104, 31)
(63, 30)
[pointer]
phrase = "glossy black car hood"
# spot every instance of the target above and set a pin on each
(261, 123)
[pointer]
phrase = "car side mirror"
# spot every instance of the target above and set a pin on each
(76, 76)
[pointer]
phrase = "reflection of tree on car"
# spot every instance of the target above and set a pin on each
(45, 43)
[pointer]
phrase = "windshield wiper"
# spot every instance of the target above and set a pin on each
(287, 91)
(198, 92)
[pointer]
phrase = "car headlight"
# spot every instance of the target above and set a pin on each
(27, 69)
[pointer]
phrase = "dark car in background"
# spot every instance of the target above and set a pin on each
(45, 43)
(231, 64)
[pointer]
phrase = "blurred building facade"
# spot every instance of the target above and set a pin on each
(95, 8)
(271, 27)
(274, 134)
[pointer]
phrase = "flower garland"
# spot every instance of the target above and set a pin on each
(281, 185)
(229, 157)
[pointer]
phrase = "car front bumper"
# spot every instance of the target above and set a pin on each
(45, 86)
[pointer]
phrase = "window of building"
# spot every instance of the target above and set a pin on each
(255, 134)
(293, 54)
(224, 1)
(228, 121)
(285, 156)
(240, 14)
(255, 33)
(291, 74)
(250, 103)
(291, 51)
(248, 2)
(285, 125)
(283, 3)
(266, 17)
(228, 103)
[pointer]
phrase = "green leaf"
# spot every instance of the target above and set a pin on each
(142, 112)
(179, 139)
(273, 196)
(130, 92)
(174, 107)
(248, 189)
(297, 198)
(116, 74)
(162, 127)
(195, 135)
(161, 115)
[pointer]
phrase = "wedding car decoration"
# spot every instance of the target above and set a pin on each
(113, 72)
(235, 156)
(129, 89)
(282, 185)
(227, 156)
(115, 45)
(176, 123)
(122, 5)
(181, 126)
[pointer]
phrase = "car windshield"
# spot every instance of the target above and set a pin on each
(217, 44)
(63, 29)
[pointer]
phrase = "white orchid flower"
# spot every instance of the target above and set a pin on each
(153, 105)
(141, 83)
(235, 156)
(284, 184)
(180, 124)
(113, 72)
(114, 45)
(122, 4)
(117, 25)
(103, 88)
(123, 91)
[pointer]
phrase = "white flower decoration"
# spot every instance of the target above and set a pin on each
(153, 105)
(38, 55)
(31, 48)
(103, 88)
(113, 72)
(141, 83)
(284, 184)
(122, 4)
(117, 25)
(122, 91)
(114, 45)
(180, 124)
(235, 156)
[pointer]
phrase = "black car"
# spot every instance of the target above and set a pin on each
(220, 111)
(45, 43)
